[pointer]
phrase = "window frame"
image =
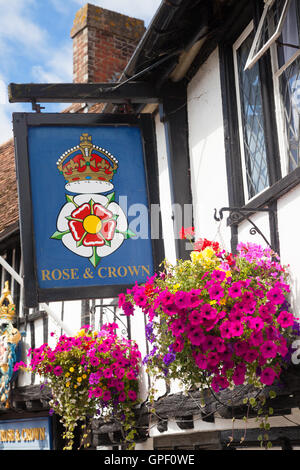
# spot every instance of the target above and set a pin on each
(279, 106)
(236, 45)
(253, 58)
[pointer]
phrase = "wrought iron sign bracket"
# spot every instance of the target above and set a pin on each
(36, 107)
(237, 214)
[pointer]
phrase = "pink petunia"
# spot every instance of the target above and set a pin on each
(196, 336)
(256, 323)
(235, 290)
(251, 355)
(201, 361)
(225, 329)
(178, 345)
(239, 373)
(106, 395)
(132, 395)
(195, 317)
(268, 349)
(268, 376)
(57, 371)
(236, 329)
(285, 319)
(276, 296)
(216, 292)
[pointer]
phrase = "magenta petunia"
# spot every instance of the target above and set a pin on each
(196, 336)
(268, 376)
(276, 296)
(182, 299)
(236, 329)
(268, 349)
(216, 292)
(58, 370)
(235, 290)
(251, 355)
(225, 329)
(256, 323)
(201, 361)
(239, 373)
(285, 319)
(128, 308)
(218, 275)
(195, 318)
(208, 312)
(132, 395)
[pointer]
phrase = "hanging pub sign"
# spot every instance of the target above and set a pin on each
(86, 184)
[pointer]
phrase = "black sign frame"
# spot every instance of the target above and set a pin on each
(33, 293)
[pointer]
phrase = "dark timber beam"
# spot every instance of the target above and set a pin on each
(135, 92)
(174, 115)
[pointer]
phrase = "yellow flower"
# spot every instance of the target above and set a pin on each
(67, 384)
(196, 256)
(79, 379)
(67, 374)
(176, 287)
(82, 332)
(84, 376)
(71, 369)
(213, 302)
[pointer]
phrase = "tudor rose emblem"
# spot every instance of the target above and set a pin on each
(90, 224)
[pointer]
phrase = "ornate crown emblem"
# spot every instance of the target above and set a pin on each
(7, 306)
(87, 168)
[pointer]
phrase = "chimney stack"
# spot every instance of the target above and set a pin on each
(103, 42)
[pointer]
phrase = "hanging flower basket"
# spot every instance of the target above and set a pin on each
(217, 320)
(92, 374)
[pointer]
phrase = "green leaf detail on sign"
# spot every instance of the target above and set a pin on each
(91, 203)
(69, 217)
(110, 198)
(127, 234)
(58, 235)
(71, 199)
(94, 259)
(81, 240)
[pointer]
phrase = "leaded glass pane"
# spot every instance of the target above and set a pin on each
(290, 85)
(252, 120)
(290, 92)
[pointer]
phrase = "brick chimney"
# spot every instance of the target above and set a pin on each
(103, 42)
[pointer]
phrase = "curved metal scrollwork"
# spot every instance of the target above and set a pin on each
(237, 214)
(109, 315)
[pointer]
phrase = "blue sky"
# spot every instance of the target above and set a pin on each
(35, 44)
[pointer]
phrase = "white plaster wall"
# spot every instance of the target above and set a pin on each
(289, 232)
(261, 220)
(165, 192)
(207, 151)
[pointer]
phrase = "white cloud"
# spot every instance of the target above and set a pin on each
(57, 68)
(142, 9)
(17, 25)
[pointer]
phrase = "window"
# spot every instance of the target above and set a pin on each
(251, 120)
(269, 29)
(286, 69)
(279, 31)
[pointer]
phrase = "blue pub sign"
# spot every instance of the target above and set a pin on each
(84, 193)
(26, 434)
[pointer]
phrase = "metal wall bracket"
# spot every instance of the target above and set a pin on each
(237, 214)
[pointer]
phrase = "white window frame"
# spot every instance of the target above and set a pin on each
(248, 30)
(279, 106)
(253, 58)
